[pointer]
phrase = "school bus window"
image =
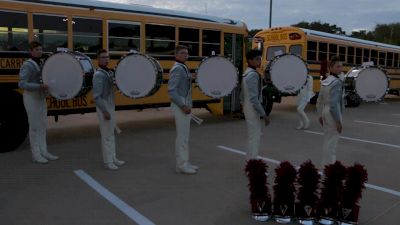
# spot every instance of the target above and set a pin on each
(211, 42)
(389, 61)
(312, 50)
(323, 50)
(87, 35)
(13, 31)
(51, 31)
(296, 49)
(190, 38)
(160, 39)
(382, 58)
(396, 60)
(366, 55)
(359, 56)
(332, 49)
(123, 36)
(342, 53)
(350, 55)
(271, 51)
(374, 57)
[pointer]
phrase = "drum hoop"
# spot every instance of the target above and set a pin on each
(214, 56)
(71, 54)
(273, 61)
(361, 68)
(154, 62)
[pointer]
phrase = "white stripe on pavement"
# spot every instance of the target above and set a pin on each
(241, 152)
(356, 139)
(373, 123)
(113, 199)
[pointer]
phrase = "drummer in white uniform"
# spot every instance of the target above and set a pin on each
(35, 103)
(103, 93)
(330, 109)
(180, 93)
(251, 101)
(304, 96)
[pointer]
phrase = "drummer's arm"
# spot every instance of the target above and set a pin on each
(336, 101)
(252, 84)
(24, 74)
(174, 78)
(98, 83)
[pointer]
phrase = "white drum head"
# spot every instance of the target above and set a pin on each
(63, 73)
(136, 76)
(217, 77)
(288, 73)
(371, 84)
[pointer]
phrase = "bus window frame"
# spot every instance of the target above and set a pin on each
(26, 34)
(296, 45)
(35, 34)
(190, 42)
(159, 40)
(134, 38)
(312, 51)
(203, 43)
(322, 52)
(273, 55)
(89, 36)
(379, 58)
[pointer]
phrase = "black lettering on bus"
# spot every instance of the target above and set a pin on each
(79, 101)
(13, 64)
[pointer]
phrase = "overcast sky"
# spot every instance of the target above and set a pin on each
(348, 14)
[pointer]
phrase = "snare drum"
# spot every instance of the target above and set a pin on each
(217, 76)
(68, 74)
(370, 83)
(138, 75)
(287, 72)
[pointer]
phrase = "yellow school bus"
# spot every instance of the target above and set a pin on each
(314, 47)
(88, 26)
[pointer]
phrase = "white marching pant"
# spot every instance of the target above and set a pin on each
(107, 128)
(331, 137)
(254, 133)
(36, 109)
(303, 119)
(182, 126)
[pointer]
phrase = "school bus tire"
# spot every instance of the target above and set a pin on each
(13, 121)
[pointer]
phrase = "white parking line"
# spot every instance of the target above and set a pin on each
(373, 123)
(378, 188)
(356, 139)
(113, 199)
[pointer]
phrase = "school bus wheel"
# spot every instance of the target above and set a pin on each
(13, 121)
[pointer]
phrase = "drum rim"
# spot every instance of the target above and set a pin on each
(273, 61)
(158, 81)
(71, 54)
(215, 56)
(361, 68)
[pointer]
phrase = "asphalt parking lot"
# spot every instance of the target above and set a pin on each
(77, 189)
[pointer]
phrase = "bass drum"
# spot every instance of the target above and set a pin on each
(138, 75)
(287, 72)
(217, 76)
(370, 83)
(68, 74)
